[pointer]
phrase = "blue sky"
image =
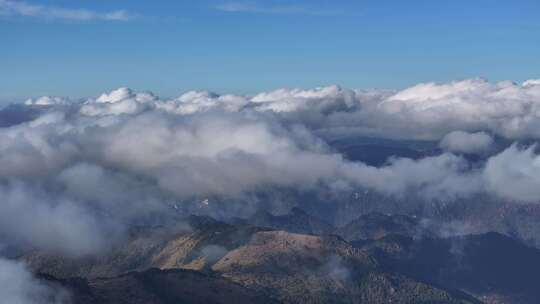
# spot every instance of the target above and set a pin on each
(83, 48)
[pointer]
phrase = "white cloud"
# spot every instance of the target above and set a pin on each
(425, 111)
(266, 8)
(119, 101)
(115, 96)
(504, 108)
(325, 99)
(34, 218)
(194, 144)
(442, 177)
(80, 173)
(24, 9)
(261, 8)
(459, 141)
(531, 82)
(46, 101)
(18, 286)
(515, 174)
(197, 101)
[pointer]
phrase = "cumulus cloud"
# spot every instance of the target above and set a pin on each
(119, 101)
(200, 101)
(32, 219)
(531, 82)
(324, 100)
(443, 177)
(203, 143)
(426, 111)
(504, 108)
(459, 141)
(210, 153)
(25, 9)
(18, 286)
(515, 174)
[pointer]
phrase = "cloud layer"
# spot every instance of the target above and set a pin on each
(81, 172)
(425, 111)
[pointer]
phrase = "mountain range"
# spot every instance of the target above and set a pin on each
(298, 258)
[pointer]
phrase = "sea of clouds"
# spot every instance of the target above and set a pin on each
(75, 173)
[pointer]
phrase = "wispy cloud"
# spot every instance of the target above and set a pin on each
(256, 7)
(25, 9)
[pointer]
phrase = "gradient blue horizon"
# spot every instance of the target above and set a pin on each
(248, 46)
